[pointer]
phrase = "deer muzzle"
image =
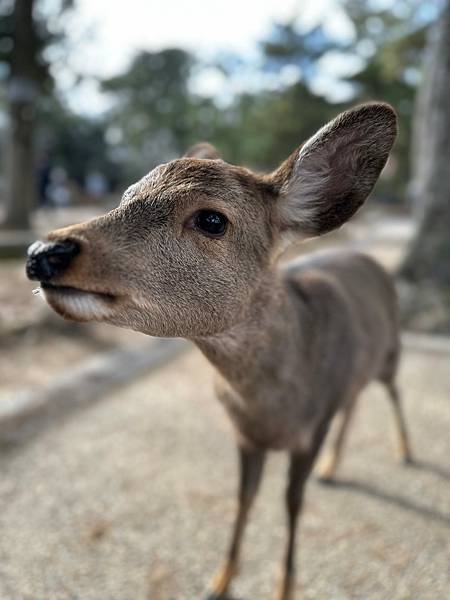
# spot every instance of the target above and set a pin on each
(47, 260)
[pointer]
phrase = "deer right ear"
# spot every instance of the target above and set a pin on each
(322, 184)
(202, 150)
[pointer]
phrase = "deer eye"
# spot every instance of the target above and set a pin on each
(211, 223)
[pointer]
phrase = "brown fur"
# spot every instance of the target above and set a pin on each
(293, 346)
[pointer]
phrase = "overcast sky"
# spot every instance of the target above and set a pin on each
(106, 34)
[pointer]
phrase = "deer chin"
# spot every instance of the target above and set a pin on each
(77, 304)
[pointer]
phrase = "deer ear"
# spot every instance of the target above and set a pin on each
(323, 183)
(202, 150)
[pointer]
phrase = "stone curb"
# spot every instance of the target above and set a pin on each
(83, 384)
(423, 342)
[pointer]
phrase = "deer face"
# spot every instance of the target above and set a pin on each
(180, 256)
(191, 242)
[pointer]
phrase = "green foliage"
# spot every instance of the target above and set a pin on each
(267, 127)
(157, 115)
(154, 111)
(395, 37)
(286, 45)
(75, 143)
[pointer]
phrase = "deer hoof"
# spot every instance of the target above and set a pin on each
(286, 591)
(326, 476)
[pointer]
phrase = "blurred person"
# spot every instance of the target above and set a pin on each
(96, 184)
(43, 179)
(58, 189)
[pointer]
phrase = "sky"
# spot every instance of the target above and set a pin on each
(105, 36)
(198, 25)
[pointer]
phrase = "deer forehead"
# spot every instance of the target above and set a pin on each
(193, 181)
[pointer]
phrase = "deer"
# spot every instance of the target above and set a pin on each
(193, 251)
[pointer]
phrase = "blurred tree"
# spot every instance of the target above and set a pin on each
(263, 127)
(387, 42)
(154, 116)
(286, 45)
(24, 36)
(390, 40)
(427, 265)
(76, 143)
(267, 126)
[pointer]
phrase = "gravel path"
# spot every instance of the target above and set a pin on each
(132, 499)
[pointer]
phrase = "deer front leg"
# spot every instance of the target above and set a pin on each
(299, 470)
(251, 468)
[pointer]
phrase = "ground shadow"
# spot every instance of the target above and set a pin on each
(424, 465)
(227, 597)
(368, 489)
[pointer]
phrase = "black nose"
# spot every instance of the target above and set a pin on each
(46, 260)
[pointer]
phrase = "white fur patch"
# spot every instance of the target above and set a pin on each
(141, 188)
(82, 306)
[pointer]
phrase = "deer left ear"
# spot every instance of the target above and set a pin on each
(322, 184)
(202, 150)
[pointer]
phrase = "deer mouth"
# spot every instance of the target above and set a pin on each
(76, 303)
(72, 291)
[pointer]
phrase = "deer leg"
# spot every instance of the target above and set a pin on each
(404, 449)
(251, 468)
(328, 465)
(299, 470)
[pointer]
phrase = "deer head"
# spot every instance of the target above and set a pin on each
(191, 242)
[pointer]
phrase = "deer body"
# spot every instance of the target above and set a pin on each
(191, 252)
(320, 329)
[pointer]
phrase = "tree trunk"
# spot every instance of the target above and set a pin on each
(21, 197)
(22, 92)
(429, 255)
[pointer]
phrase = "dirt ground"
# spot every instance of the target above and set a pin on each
(40, 345)
(133, 499)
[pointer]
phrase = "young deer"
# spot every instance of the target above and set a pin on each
(191, 252)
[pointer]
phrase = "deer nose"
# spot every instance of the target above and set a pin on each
(48, 259)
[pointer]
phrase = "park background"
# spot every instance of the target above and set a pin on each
(93, 95)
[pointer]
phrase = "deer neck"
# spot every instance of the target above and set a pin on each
(250, 351)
